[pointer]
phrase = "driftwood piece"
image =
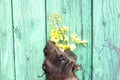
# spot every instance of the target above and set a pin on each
(59, 65)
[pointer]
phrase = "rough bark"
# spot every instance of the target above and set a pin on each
(59, 65)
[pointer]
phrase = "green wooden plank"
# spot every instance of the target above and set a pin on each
(29, 31)
(6, 42)
(106, 56)
(85, 53)
(77, 15)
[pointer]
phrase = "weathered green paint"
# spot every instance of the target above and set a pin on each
(29, 32)
(6, 42)
(77, 16)
(23, 31)
(106, 28)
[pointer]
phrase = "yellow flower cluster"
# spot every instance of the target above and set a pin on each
(74, 38)
(55, 35)
(64, 47)
(56, 18)
(59, 34)
(77, 40)
(63, 29)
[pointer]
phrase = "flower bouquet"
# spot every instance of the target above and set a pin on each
(60, 61)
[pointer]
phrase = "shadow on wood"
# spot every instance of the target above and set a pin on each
(59, 65)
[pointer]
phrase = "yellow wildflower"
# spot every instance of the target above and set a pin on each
(55, 35)
(54, 39)
(64, 29)
(62, 47)
(68, 46)
(59, 34)
(72, 47)
(83, 42)
(66, 38)
(75, 39)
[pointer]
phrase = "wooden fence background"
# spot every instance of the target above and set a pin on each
(24, 32)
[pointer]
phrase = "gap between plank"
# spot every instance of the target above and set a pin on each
(13, 39)
(91, 39)
(46, 20)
